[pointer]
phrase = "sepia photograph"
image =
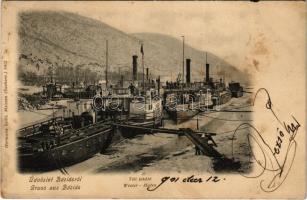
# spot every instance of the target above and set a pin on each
(157, 95)
(93, 95)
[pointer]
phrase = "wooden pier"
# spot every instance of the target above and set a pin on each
(204, 144)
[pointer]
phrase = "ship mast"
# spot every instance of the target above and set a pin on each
(142, 52)
(51, 73)
(107, 55)
(182, 59)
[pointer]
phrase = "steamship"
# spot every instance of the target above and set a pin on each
(139, 104)
(221, 94)
(145, 106)
(236, 89)
(184, 101)
(145, 111)
(183, 107)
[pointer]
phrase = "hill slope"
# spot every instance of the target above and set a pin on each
(70, 40)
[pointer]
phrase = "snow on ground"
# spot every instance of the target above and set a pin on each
(171, 153)
(149, 153)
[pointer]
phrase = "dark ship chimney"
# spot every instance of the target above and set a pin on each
(207, 71)
(122, 81)
(188, 65)
(134, 67)
(147, 74)
(159, 84)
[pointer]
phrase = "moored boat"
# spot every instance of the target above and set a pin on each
(57, 143)
(145, 111)
(236, 89)
(221, 97)
(183, 107)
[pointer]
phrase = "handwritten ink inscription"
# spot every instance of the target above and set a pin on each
(273, 161)
(273, 152)
(191, 179)
(146, 182)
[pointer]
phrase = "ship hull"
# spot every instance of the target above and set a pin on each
(205, 107)
(128, 132)
(67, 154)
(236, 94)
(180, 116)
(222, 99)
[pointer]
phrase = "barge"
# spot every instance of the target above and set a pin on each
(59, 142)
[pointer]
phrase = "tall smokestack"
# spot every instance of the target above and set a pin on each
(188, 70)
(122, 81)
(207, 72)
(134, 67)
(147, 74)
(159, 84)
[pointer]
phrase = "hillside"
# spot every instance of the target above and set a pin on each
(69, 40)
(167, 51)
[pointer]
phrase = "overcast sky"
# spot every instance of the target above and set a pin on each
(239, 32)
(248, 35)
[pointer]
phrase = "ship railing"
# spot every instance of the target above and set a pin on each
(34, 129)
(84, 132)
(70, 135)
